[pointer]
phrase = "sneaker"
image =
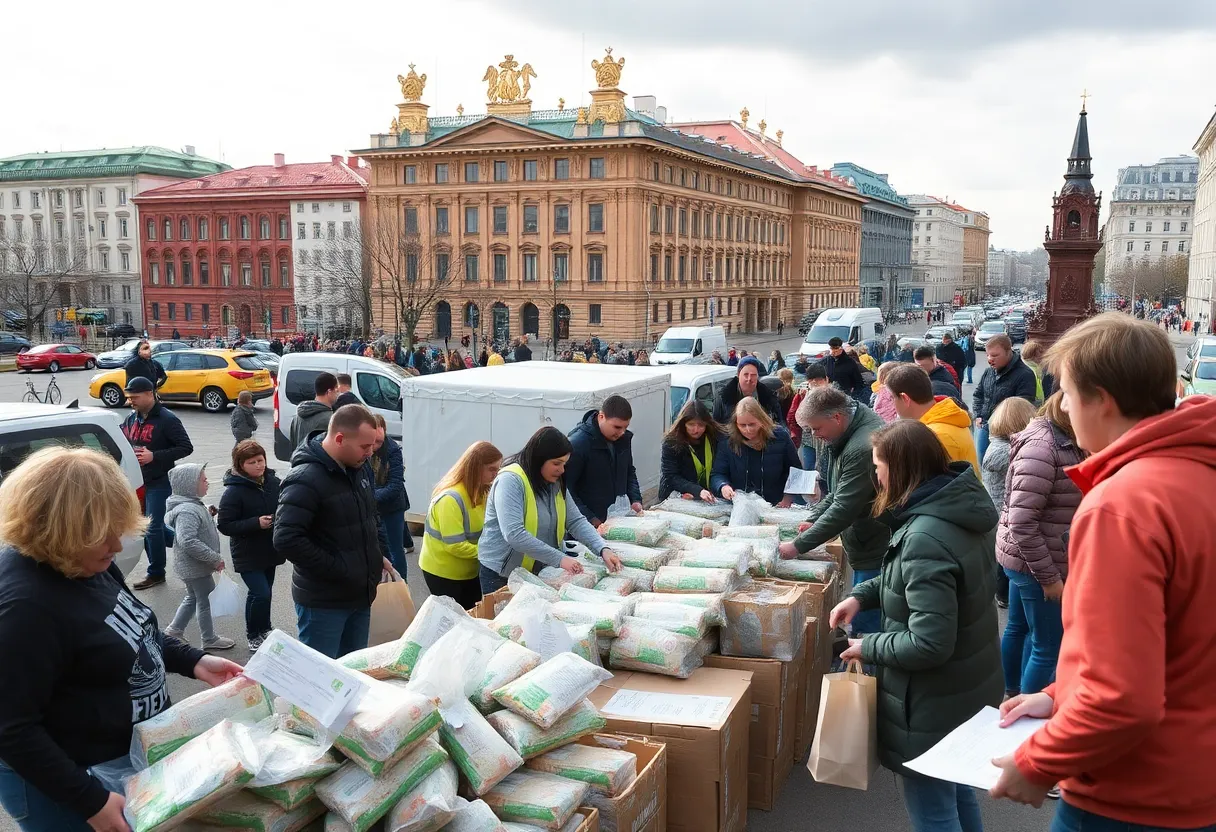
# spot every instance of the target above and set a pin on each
(149, 581)
(1054, 793)
(255, 643)
(177, 634)
(219, 643)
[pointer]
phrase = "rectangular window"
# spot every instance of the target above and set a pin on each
(441, 220)
(1182, 227)
(529, 268)
(225, 274)
(264, 228)
(1165, 246)
(122, 228)
(472, 263)
(411, 174)
(243, 226)
(1181, 246)
(561, 267)
(411, 267)
(316, 230)
(125, 260)
(1130, 245)
(531, 219)
(654, 219)
(1131, 225)
(561, 168)
(667, 268)
(284, 278)
(654, 267)
(529, 170)
(696, 223)
(471, 219)
(442, 266)
(682, 274)
(168, 229)
(348, 229)
(299, 207)
(500, 268)
(204, 273)
(224, 228)
(170, 273)
(597, 167)
(500, 219)
(683, 221)
(595, 217)
(1148, 246)
(104, 260)
(595, 267)
(441, 173)
(301, 231)
(346, 208)
(285, 315)
(155, 311)
(188, 310)
(103, 229)
(1148, 228)
(654, 171)
(101, 196)
(284, 234)
(187, 272)
(500, 171)
(595, 313)
(265, 270)
(411, 221)
(316, 207)
(683, 309)
(561, 219)
(669, 219)
(668, 311)
(331, 230)
(172, 311)
(1165, 227)
(151, 229)
(471, 172)
(246, 274)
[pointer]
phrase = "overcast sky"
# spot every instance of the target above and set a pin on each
(972, 100)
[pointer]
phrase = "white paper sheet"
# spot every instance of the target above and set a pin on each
(965, 755)
(671, 708)
(801, 482)
(316, 684)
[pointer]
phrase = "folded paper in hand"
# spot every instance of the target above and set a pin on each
(315, 683)
(801, 482)
(965, 755)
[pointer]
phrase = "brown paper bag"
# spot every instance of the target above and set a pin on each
(392, 611)
(845, 749)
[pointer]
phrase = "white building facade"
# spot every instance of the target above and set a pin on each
(1151, 213)
(937, 249)
(80, 203)
(1000, 271)
(1200, 301)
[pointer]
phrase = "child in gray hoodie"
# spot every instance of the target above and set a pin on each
(196, 552)
(243, 422)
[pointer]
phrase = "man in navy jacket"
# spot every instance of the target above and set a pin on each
(601, 467)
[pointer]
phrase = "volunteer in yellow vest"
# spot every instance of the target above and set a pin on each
(912, 395)
(529, 515)
(688, 454)
(453, 525)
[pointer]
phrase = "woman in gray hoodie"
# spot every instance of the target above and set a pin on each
(196, 552)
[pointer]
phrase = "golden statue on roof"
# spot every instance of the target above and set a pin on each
(412, 85)
(507, 82)
(608, 71)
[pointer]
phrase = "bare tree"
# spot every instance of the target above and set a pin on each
(35, 272)
(340, 274)
(554, 297)
(1160, 279)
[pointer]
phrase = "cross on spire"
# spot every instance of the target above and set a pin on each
(1085, 94)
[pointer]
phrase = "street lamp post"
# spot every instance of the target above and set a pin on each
(713, 301)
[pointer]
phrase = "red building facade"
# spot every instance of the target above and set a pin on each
(217, 250)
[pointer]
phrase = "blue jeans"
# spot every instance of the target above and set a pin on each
(1031, 643)
(1071, 819)
(939, 806)
(35, 812)
(807, 454)
(334, 633)
(257, 603)
(155, 538)
(981, 441)
(868, 621)
(491, 581)
(969, 369)
(394, 529)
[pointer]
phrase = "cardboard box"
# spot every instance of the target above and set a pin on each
(591, 819)
(808, 693)
(765, 778)
(820, 598)
(485, 608)
(643, 806)
(766, 621)
(706, 748)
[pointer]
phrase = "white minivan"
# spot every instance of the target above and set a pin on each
(688, 344)
(376, 383)
(851, 326)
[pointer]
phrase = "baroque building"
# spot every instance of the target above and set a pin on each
(975, 256)
(886, 239)
(597, 221)
(1150, 213)
(1201, 275)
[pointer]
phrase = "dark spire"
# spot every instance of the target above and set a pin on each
(1079, 174)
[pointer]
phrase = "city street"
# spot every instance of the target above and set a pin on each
(802, 805)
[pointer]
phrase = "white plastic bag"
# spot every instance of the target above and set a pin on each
(226, 599)
(645, 646)
(291, 766)
(240, 699)
(528, 620)
(438, 615)
(746, 508)
(605, 616)
(521, 577)
(474, 816)
(555, 577)
(429, 805)
(509, 662)
(547, 693)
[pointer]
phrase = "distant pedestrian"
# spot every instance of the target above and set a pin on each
(522, 351)
(345, 394)
(140, 364)
(313, 416)
(243, 422)
(1007, 375)
(196, 553)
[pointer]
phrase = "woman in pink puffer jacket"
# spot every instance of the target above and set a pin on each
(1032, 545)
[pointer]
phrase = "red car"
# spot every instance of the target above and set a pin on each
(55, 357)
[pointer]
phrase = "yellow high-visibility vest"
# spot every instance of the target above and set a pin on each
(704, 468)
(531, 523)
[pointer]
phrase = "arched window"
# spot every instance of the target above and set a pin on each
(561, 322)
(501, 322)
(187, 270)
(170, 270)
(243, 227)
(443, 319)
(184, 227)
(1074, 219)
(531, 319)
(264, 228)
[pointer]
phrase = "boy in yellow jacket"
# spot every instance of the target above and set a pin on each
(912, 394)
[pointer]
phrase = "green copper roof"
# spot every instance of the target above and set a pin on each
(119, 161)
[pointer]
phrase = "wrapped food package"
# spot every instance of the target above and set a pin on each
(718, 554)
(717, 511)
(746, 507)
(240, 699)
(215, 764)
(785, 519)
(521, 577)
(755, 532)
(438, 615)
(555, 577)
(643, 579)
(593, 564)
(645, 646)
(678, 618)
(291, 767)
(529, 740)
(676, 542)
(545, 800)
(711, 602)
(818, 553)
(584, 638)
(615, 585)
(247, 811)
(767, 621)
(547, 693)
(482, 756)
(474, 816)
(694, 527)
(429, 805)
(644, 530)
(764, 541)
(605, 616)
(606, 770)
(811, 571)
(360, 799)
(569, 592)
(524, 605)
(383, 661)
(677, 579)
(509, 662)
(641, 557)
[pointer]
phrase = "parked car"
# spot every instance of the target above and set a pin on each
(25, 428)
(270, 361)
(933, 337)
(55, 357)
(1198, 377)
(11, 344)
(119, 356)
(120, 331)
(1015, 323)
(213, 378)
(987, 330)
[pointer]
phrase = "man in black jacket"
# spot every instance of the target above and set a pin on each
(159, 440)
(843, 371)
(939, 375)
(326, 525)
(1007, 376)
(951, 353)
(141, 364)
(746, 383)
(601, 466)
(522, 351)
(345, 394)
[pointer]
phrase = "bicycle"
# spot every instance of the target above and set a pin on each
(52, 395)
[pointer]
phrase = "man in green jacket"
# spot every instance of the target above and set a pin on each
(846, 426)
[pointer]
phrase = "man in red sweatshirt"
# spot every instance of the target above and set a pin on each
(1131, 734)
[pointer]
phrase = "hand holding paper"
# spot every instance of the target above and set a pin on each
(801, 482)
(966, 754)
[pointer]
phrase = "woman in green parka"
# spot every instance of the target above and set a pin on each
(938, 654)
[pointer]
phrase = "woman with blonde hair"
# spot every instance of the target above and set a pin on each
(883, 403)
(755, 455)
(85, 658)
(453, 525)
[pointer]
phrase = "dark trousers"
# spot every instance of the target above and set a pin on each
(1071, 819)
(257, 603)
(396, 531)
(334, 633)
(466, 593)
(155, 497)
(490, 580)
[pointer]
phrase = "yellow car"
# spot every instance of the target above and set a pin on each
(213, 378)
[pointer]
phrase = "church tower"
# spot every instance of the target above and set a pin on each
(1072, 241)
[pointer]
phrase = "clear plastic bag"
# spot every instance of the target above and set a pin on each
(719, 554)
(521, 577)
(482, 756)
(584, 642)
(641, 557)
(621, 507)
(240, 699)
(767, 621)
(217, 763)
(509, 662)
(244, 810)
(591, 596)
(605, 616)
(547, 693)
(389, 722)
(718, 511)
(429, 805)
(291, 767)
(474, 816)
(226, 599)
(644, 531)
(383, 661)
(529, 740)
(786, 519)
(555, 577)
(770, 534)
(811, 571)
(438, 615)
(606, 770)
(643, 645)
(676, 542)
(678, 618)
(615, 585)
(528, 620)
(643, 579)
(746, 509)
(545, 800)
(694, 527)
(711, 602)
(360, 799)
(675, 579)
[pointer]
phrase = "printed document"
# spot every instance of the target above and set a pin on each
(965, 755)
(801, 482)
(315, 683)
(670, 708)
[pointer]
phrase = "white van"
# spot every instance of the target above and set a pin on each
(852, 326)
(376, 383)
(687, 344)
(702, 382)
